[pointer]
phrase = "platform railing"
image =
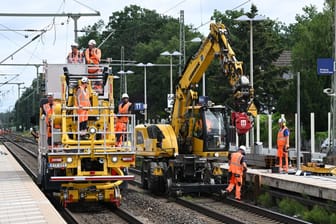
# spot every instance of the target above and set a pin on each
(101, 135)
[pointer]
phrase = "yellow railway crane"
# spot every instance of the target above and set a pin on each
(186, 155)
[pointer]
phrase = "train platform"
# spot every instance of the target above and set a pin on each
(323, 187)
(316, 186)
(21, 200)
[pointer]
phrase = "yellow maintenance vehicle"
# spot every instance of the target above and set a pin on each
(318, 169)
(81, 166)
(186, 155)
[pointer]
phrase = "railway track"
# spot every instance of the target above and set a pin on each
(25, 152)
(236, 212)
(210, 209)
(228, 210)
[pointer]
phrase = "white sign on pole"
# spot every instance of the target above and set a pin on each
(170, 100)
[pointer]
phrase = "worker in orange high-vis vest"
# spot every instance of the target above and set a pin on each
(92, 57)
(283, 144)
(75, 56)
(83, 102)
(231, 178)
(48, 110)
(125, 107)
(237, 167)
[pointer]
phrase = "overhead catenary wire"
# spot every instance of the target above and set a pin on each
(240, 5)
(12, 30)
(40, 36)
(108, 36)
(33, 54)
(50, 26)
(209, 21)
(179, 3)
(82, 4)
(8, 81)
(32, 40)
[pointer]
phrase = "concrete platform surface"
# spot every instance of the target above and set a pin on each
(316, 186)
(21, 201)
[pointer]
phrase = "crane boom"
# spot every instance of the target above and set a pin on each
(215, 45)
(186, 155)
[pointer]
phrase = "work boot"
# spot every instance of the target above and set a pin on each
(224, 194)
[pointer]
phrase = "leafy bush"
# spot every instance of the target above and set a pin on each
(333, 218)
(265, 200)
(291, 207)
(318, 215)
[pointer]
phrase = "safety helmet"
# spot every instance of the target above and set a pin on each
(244, 81)
(243, 149)
(282, 120)
(125, 95)
(50, 94)
(92, 42)
(85, 80)
(74, 44)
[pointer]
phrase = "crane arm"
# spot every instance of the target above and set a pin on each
(215, 45)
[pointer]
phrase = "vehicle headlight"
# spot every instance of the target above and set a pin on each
(69, 159)
(216, 154)
(114, 159)
(101, 160)
(92, 130)
(65, 194)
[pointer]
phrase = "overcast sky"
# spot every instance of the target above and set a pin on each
(55, 43)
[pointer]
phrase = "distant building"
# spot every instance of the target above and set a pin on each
(285, 60)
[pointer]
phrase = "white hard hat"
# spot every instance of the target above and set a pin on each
(74, 44)
(282, 120)
(50, 94)
(92, 42)
(125, 95)
(242, 148)
(244, 81)
(85, 80)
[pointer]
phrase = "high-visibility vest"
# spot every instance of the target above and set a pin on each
(123, 109)
(75, 58)
(83, 97)
(229, 162)
(92, 57)
(282, 139)
(48, 109)
(235, 166)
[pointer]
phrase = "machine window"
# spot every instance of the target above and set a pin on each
(139, 137)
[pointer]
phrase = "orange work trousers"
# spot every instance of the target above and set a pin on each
(281, 154)
(120, 127)
(236, 181)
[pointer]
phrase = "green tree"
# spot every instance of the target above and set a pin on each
(268, 43)
(143, 34)
(94, 31)
(311, 37)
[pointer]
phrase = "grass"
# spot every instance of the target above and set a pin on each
(290, 207)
